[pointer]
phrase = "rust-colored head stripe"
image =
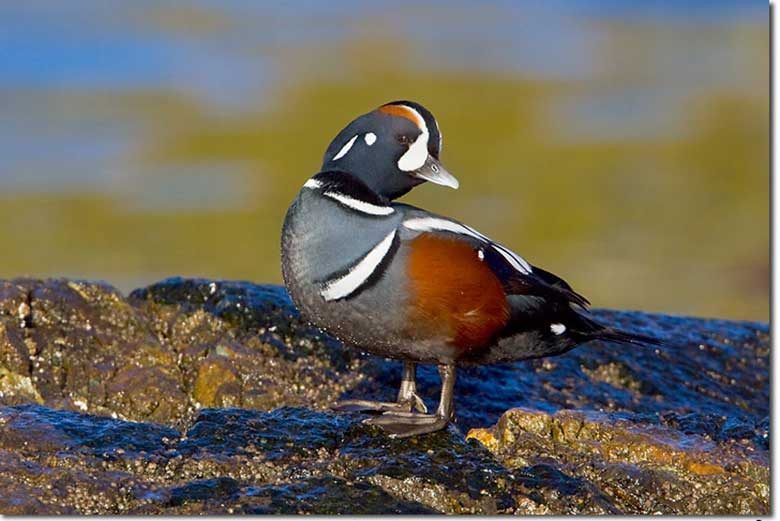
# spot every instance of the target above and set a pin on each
(403, 112)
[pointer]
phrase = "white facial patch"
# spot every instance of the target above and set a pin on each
(370, 138)
(426, 224)
(417, 154)
(360, 206)
(312, 183)
(345, 285)
(558, 329)
(345, 148)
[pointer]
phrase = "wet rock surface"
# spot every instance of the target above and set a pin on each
(197, 396)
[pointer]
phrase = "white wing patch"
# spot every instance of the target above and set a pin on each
(427, 224)
(345, 285)
(417, 154)
(360, 206)
(558, 329)
(345, 148)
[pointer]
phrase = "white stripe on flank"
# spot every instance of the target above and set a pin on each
(417, 154)
(345, 148)
(344, 286)
(312, 183)
(558, 329)
(426, 224)
(360, 206)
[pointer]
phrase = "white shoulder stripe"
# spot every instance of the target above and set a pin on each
(345, 148)
(312, 183)
(345, 285)
(426, 224)
(360, 206)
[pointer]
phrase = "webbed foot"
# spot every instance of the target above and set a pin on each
(412, 401)
(371, 406)
(406, 424)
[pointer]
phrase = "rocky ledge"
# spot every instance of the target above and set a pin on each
(197, 396)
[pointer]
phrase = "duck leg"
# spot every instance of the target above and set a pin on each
(406, 401)
(401, 424)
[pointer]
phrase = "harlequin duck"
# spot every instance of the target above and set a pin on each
(404, 283)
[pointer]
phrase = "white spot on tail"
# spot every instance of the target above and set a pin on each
(345, 148)
(370, 138)
(345, 285)
(558, 329)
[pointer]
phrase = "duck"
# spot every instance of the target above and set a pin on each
(404, 283)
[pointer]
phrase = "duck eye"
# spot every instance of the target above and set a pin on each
(403, 139)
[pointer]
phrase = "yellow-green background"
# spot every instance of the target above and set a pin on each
(621, 145)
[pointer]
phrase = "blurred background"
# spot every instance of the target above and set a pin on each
(621, 145)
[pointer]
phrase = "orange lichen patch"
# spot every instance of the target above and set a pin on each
(485, 436)
(403, 112)
(455, 293)
(704, 469)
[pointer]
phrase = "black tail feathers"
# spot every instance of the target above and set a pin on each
(592, 330)
(614, 335)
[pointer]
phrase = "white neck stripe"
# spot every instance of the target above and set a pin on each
(426, 224)
(346, 285)
(360, 206)
(345, 148)
(312, 183)
(417, 154)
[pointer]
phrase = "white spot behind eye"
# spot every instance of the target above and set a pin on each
(345, 148)
(558, 329)
(370, 138)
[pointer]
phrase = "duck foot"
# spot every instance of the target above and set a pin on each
(371, 406)
(406, 424)
(407, 400)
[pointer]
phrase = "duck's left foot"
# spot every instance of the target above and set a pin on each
(405, 424)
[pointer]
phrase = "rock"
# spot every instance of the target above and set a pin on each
(606, 428)
(165, 352)
(291, 460)
(641, 467)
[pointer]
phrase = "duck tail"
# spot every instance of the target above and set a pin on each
(615, 335)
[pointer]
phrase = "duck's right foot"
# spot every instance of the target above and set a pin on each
(371, 406)
(404, 405)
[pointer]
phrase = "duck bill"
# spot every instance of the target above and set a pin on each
(434, 172)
